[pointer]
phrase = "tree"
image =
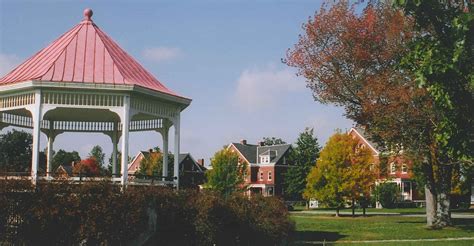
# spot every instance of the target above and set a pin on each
(87, 167)
(268, 141)
(227, 174)
(354, 60)
(15, 151)
(152, 164)
(63, 157)
(442, 59)
(98, 154)
(343, 173)
(387, 194)
(303, 158)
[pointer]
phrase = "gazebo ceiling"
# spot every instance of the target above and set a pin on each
(85, 54)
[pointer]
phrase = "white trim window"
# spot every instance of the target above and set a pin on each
(265, 159)
(393, 168)
(404, 168)
(270, 175)
(261, 176)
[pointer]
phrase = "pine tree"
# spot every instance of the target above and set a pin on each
(304, 157)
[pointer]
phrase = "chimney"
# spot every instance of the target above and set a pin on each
(261, 143)
(150, 150)
(243, 141)
(200, 162)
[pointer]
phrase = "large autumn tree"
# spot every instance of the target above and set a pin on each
(353, 60)
(152, 164)
(442, 58)
(344, 172)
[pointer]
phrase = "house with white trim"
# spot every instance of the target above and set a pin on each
(266, 166)
(397, 168)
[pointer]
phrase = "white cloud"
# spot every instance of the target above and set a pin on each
(160, 54)
(7, 63)
(262, 88)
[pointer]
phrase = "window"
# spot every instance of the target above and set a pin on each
(269, 175)
(265, 159)
(404, 168)
(261, 175)
(393, 168)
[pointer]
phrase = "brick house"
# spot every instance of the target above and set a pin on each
(267, 166)
(398, 169)
(192, 172)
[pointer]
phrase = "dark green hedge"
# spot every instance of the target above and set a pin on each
(93, 214)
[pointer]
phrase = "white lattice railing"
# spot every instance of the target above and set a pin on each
(80, 126)
(161, 108)
(17, 100)
(82, 99)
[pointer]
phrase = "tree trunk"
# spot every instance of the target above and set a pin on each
(353, 208)
(363, 211)
(430, 207)
(443, 214)
(337, 212)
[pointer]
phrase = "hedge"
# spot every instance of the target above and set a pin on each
(101, 213)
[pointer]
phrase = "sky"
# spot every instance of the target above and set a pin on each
(225, 55)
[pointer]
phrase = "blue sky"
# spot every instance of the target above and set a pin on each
(225, 55)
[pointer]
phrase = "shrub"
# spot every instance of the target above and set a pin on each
(387, 194)
(100, 213)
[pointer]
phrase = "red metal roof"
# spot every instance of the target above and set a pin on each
(84, 54)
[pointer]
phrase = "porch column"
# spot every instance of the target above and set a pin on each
(114, 150)
(125, 126)
(165, 152)
(176, 149)
(36, 116)
(49, 156)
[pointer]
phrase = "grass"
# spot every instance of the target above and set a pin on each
(385, 210)
(329, 228)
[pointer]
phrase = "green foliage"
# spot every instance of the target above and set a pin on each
(15, 151)
(303, 158)
(268, 141)
(98, 154)
(227, 174)
(387, 194)
(102, 214)
(152, 164)
(63, 157)
(343, 172)
(442, 59)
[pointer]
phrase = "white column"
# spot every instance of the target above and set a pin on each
(125, 126)
(176, 149)
(49, 156)
(36, 116)
(164, 133)
(114, 149)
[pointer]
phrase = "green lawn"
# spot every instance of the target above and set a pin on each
(328, 228)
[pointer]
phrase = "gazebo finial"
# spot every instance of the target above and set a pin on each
(88, 14)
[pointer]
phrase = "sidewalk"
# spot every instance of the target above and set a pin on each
(329, 212)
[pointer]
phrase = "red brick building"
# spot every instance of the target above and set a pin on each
(396, 168)
(191, 172)
(267, 166)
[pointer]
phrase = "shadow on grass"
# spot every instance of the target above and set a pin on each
(311, 236)
(464, 224)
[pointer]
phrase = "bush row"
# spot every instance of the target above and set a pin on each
(92, 214)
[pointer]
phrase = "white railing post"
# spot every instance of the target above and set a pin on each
(176, 149)
(50, 149)
(164, 133)
(125, 126)
(36, 116)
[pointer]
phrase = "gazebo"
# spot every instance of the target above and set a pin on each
(84, 82)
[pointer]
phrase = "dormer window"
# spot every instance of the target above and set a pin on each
(264, 159)
(404, 168)
(393, 168)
